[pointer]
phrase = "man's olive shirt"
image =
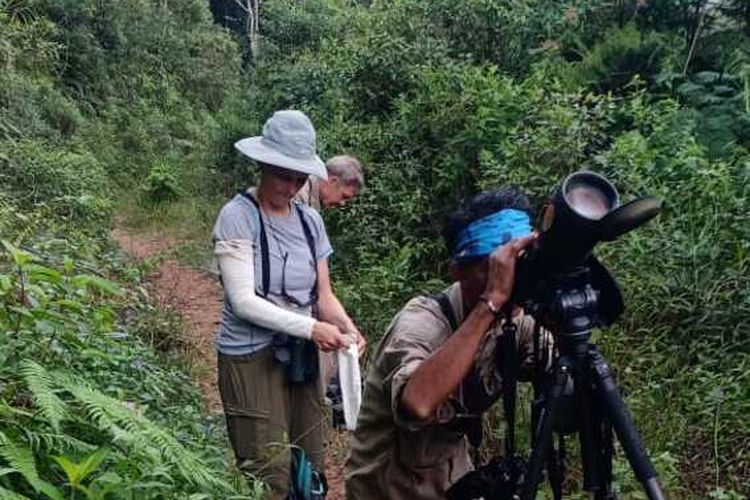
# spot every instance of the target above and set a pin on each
(394, 456)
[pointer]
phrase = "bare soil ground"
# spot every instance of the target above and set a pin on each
(197, 297)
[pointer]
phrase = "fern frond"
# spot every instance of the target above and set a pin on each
(41, 385)
(139, 434)
(11, 495)
(21, 459)
(188, 463)
(57, 442)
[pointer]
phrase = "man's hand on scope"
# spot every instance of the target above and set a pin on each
(502, 268)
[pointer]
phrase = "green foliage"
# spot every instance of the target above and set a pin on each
(720, 100)
(161, 184)
(61, 318)
(512, 35)
(76, 473)
(92, 95)
(290, 26)
(622, 55)
(71, 184)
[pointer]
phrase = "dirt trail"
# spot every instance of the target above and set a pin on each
(197, 297)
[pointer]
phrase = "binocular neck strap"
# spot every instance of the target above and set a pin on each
(313, 252)
(264, 257)
(265, 262)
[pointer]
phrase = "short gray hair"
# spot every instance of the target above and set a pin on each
(348, 169)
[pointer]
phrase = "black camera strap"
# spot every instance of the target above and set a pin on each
(447, 309)
(313, 253)
(509, 363)
(472, 426)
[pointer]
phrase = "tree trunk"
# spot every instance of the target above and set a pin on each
(255, 36)
(251, 8)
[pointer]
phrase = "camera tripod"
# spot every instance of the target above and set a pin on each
(581, 396)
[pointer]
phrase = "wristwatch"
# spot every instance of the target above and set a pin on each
(494, 308)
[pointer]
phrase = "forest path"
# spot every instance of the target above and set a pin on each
(196, 296)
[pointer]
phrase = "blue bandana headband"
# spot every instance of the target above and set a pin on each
(483, 236)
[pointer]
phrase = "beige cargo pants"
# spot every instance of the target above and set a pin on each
(266, 416)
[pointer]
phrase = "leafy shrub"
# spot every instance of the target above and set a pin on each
(211, 74)
(29, 109)
(503, 33)
(39, 173)
(721, 104)
(622, 55)
(162, 184)
(75, 384)
(289, 26)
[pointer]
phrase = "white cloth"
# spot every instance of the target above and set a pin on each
(351, 384)
(235, 259)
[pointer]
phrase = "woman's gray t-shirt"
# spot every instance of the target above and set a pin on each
(291, 267)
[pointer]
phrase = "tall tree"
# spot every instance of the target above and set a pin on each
(241, 16)
(250, 8)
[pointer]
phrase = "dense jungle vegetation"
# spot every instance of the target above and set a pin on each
(130, 108)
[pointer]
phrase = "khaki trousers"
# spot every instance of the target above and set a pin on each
(266, 416)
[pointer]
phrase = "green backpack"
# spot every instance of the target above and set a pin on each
(306, 482)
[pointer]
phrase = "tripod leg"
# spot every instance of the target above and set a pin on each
(543, 434)
(607, 452)
(555, 457)
(556, 468)
(591, 459)
(622, 421)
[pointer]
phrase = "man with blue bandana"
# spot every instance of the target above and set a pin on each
(438, 360)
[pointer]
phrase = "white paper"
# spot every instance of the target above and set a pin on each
(351, 384)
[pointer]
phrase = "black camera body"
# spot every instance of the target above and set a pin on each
(499, 479)
(583, 211)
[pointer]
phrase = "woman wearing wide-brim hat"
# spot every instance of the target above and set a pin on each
(279, 307)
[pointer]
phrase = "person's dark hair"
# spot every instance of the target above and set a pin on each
(482, 205)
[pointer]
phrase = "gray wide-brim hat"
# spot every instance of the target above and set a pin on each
(288, 141)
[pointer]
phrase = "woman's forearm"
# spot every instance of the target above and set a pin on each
(331, 310)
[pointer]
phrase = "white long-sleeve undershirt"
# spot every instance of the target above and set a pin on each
(236, 264)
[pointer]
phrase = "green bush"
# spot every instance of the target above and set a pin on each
(289, 26)
(622, 55)
(92, 95)
(87, 406)
(38, 173)
(161, 184)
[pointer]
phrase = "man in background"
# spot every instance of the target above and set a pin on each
(345, 180)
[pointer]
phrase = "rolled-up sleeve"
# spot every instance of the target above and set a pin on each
(414, 339)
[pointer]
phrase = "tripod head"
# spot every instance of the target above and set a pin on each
(572, 303)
